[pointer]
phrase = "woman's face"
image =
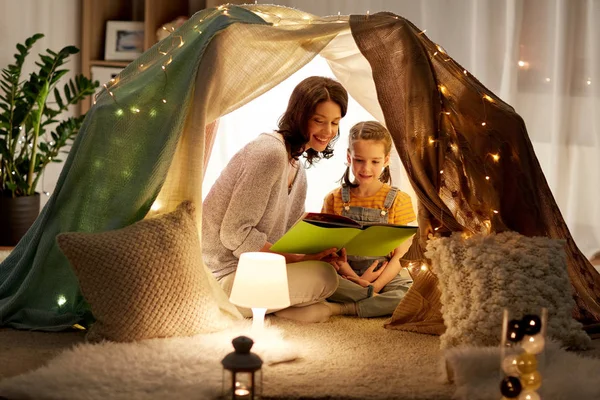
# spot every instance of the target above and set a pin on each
(323, 125)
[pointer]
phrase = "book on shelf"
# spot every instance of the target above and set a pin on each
(315, 232)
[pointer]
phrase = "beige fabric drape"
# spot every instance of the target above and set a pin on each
(241, 63)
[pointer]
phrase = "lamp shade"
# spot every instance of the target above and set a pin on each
(261, 281)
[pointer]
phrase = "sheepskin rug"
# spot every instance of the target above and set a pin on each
(481, 275)
(345, 358)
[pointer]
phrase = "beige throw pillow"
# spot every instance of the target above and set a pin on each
(147, 280)
(481, 275)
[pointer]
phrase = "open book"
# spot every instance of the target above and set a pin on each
(316, 232)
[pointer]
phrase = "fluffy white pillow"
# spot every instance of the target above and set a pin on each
(481, 275)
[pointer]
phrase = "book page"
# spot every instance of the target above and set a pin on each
(379, 240)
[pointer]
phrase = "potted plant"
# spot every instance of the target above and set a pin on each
(32, 131)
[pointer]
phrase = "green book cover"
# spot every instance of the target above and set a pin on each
(316, 232)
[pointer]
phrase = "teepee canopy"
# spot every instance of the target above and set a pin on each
(144, 144)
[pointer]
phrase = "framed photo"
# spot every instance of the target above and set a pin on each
(124, 40)
(103, 75)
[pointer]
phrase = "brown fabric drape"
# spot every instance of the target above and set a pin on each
(468, 157)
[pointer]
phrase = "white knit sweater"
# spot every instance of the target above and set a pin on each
(249, 204)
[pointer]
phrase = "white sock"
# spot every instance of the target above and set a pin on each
(348, 309)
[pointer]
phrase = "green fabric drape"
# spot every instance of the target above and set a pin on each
(143, 139)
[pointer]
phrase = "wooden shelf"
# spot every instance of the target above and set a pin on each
(154, 14)
(105, 63)
(95, 14)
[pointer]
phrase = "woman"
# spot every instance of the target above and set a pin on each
(261, 192)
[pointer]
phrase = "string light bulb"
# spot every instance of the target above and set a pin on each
(488, 98)
(496, 157)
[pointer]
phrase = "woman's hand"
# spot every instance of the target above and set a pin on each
(370, 275)
(328, 255)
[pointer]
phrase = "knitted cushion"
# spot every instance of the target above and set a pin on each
(482, 275)
(148, 280)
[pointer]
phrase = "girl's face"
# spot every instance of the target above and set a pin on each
(367, 159)
(323, 125)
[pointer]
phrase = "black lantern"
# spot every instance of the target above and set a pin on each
(242, 376)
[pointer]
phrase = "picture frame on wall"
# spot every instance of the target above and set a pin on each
(124, 40)
(103, 75)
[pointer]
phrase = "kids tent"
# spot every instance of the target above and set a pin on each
(147, 139)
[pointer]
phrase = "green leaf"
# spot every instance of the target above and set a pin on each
(28, 104)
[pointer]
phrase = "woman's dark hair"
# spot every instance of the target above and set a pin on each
(293, 124)
(370, 130)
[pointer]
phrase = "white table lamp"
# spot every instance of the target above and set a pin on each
(260, 283)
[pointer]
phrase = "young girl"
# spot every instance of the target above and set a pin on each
(372, 287)
(260, 194)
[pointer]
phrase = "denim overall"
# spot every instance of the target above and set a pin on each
(389, 297)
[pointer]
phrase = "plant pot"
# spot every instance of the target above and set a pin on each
(16, 217)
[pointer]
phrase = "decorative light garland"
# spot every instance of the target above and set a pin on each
(522, 377)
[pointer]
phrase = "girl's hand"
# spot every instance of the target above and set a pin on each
(370, 275)
(343, 268)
